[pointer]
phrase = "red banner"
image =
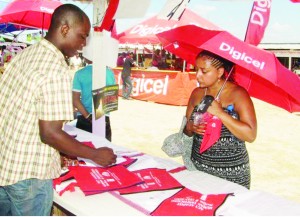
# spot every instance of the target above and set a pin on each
(166, 87)
(258, 21)
(295, 1)
(108, 19)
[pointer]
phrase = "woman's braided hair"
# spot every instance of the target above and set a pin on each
(218, 62)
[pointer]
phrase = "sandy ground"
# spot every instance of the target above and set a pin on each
(274, 156)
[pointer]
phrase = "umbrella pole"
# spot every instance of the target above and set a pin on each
(218, 94)
(137, 55)
(43, 26)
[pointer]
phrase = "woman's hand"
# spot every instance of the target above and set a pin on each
(199, 129)
(215, 108)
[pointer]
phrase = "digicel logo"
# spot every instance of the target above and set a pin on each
(257, 16)
(48, 10)
(235, 54)
(148, 85)
(144, 30)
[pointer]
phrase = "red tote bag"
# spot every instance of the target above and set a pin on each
(154, 180)
(93, 180)
(190, 203)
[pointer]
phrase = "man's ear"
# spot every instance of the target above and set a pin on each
(64, 30)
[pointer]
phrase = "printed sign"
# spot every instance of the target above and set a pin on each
(105, 100)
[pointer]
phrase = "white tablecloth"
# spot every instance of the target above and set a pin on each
(244, 201)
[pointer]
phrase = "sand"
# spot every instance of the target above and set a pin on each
(274, 155)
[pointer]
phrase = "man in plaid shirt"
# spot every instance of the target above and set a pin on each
(36, 100)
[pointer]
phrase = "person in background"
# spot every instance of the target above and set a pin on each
(178, 64)
(189, 67)
(141, 59)
(126, 73)
(35, 102)
(76, 62)
(228, 157)
(163, 64)
(151, 67)
(82, 92)
(121, 59)
(156, 59)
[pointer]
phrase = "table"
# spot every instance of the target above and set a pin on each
(245, 202)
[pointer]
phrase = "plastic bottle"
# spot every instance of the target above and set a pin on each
(231, 112)
(197, 118)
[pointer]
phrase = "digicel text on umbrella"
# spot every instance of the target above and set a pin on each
(241, 56)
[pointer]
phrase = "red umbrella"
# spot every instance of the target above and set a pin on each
(145, 32)
(257, 70)
(33, 13)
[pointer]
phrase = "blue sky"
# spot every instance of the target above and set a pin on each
(231, 15)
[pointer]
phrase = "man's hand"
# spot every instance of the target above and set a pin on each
(104, 156)
(51, 133)
(89, 117)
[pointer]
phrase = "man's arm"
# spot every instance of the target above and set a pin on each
(51, 133)
(78, 105)
(135, 64)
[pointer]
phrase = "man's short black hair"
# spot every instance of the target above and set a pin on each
(62, 15)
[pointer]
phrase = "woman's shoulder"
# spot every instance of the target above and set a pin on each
(235, 89)
(236, 94)
(198, 90)
(241, 91)
(197, 95)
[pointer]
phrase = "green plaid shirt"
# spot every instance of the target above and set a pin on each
(36, 85)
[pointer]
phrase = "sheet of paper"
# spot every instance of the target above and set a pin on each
(150, 200)
(91, 163)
